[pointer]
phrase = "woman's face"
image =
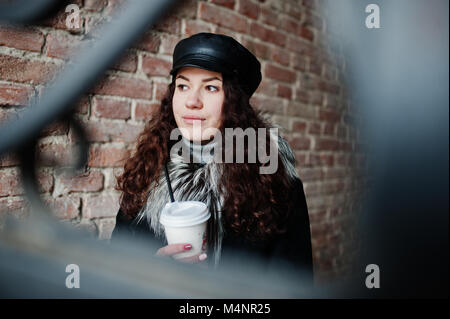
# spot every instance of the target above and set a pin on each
(197, 102)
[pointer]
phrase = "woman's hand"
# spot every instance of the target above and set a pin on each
(173, 249)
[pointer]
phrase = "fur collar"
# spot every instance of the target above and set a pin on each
(199, 182)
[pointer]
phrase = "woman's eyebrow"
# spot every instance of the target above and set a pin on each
(204, 80)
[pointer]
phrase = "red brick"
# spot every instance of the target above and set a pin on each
(15, 94)
(21, 70)
(186, 9)
(124, 86)
(343, 160)
(223, 18)
(314, 128)
(82, 106)
(299, 62)
(62, 45)
(310, 4)
(306, 33)
(225, 3)
(14, 206)
(322, 159)
(56, 154)
(300, 46)
(317, 217)
(105, 205)
(95, 5)
(295, 11)
(267, 87)
(145, 111)
(9, 160)
(248, 8)
(329, 116)
(168, 43)
(289, 25)
(301, 96)
(127, 63)
(330, 73)
(193, 27)
(311, 174)
(150, 42)
(328, 87)
(301, 110)
(316, 98)
(10, 183)
(111, 131)
(346, 146)
(67, 207)
(312, 20)
(107, 156)
(328, 129)
(261, 50)
(114, 6)
(21, 38)
(45, 181)
(155, 67)
(315, 67)
(270, 105)
(266, 34)
(341, 131)
(300, 143)
(280, 56)
(308, 82)
(335, 173)
(161, 89)
(170, 24)
(87, 182)
(269, 16)
(55, 128)
(107, 108)
(327, 144)
(299, 127)
(284, 91)
(300, 158)
(277, 73)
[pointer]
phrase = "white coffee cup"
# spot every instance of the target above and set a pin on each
(185, 222)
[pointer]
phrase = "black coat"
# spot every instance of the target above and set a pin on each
(292, 248)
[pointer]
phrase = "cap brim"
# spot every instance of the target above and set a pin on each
(206, 64)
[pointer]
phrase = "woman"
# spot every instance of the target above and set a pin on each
(260, 214)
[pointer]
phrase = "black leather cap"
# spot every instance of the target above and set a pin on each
(218, 53)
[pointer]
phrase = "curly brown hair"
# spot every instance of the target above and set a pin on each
(255, 205)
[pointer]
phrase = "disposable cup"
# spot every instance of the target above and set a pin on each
(185, 222)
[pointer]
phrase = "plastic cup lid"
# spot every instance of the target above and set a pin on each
(184, 214)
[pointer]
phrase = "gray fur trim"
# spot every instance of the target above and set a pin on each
(200, 184)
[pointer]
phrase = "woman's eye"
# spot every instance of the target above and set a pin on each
(212, 88)
(182, 87)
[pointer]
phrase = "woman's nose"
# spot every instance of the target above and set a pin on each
(194, 100)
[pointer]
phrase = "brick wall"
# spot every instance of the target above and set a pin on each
(302, 89)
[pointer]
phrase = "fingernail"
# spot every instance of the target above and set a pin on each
(202, 257)
(187, 247)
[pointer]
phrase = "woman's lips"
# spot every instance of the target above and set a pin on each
(192, 119)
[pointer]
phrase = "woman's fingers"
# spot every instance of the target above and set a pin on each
(173, 249)
(193, 259)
